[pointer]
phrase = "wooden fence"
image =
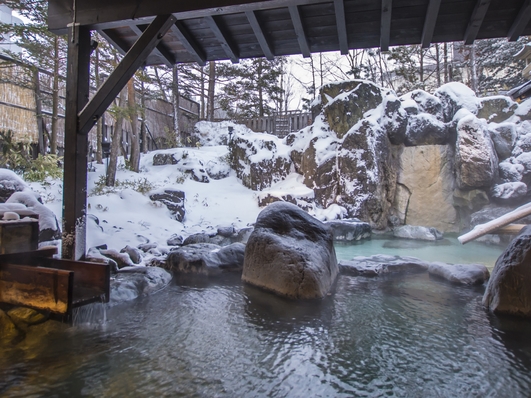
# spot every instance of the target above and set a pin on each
(280, 124)
(26, 109)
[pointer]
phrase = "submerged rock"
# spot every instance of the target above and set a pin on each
(9, 333)
(416, 232)
(206, 258)
(381, 264)
(508, 289)
(290, 253)
(132, 282)
(466, 274)
(349, 230)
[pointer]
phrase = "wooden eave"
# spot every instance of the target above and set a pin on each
(209, 30)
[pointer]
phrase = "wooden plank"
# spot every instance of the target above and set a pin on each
(224, 39)
(160, 49)
(260, 36)
(18, 236)
(188, 41)
(36, 287)
(521, 21)
(429, 22)
(134, 58)
(341, 23)
(511, 229)
(299, 30)
(476, 20)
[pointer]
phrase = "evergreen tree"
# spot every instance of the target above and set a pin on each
(251, 88)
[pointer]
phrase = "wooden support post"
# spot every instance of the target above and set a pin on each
(76, 144)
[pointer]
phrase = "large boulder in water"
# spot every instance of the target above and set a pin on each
(290, 253)
(508, 290)
(206, 258)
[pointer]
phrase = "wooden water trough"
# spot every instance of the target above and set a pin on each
(34, 278)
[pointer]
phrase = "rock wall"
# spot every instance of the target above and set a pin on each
(420, 159)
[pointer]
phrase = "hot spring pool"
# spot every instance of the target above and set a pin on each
(395, 335)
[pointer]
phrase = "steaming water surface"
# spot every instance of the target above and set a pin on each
(405, 335)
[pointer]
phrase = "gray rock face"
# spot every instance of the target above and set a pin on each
(207, 259)
(175, 240)
(508, 289)
(464, 274)
(349, 230)
(416, 232)
(290, 253)
(381, 264)
(476, 160)
(135, 254)
(132, 282)
(504, 137)
(173, 200)
(343, 113)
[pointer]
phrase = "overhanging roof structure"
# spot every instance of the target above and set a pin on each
(151, 32)
(208, 30)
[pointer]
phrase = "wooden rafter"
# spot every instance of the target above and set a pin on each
(260, 36)
(476, 20)
(224, 39)
(385, 28)
(112, 40)
(160, 50)
(429, 22)
(521, 21)
(299, 30)
(188, 41)
(134, 58)
(341, 22)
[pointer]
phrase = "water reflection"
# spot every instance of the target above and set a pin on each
(397, 335)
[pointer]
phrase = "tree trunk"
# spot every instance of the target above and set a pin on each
(116, 143)
(159, 82)
(134, 161)
(473, 69)
(211, 86)
(202, 94)
(437, 55)
(176, 113)
(421, 68)
(260, 89)
(446, 74)
(143, 130)
(55, 96)
(99, 124)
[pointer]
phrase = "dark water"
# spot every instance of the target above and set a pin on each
(402, 336)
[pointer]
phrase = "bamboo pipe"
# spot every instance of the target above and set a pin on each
(483, 229)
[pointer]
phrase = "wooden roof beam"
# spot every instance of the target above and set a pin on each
(385, 27)
(521, 21)
(112, 41)
(134, 58)
(226, 43)
(476, 20)
(341, 23)
(187, 40)
(299, 30)
(429, 22)
(160, 50)
(259, 33)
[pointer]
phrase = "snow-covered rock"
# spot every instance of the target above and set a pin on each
(504, 137)
(9, 184)
(349, 230)
(426, 129)
(132, 282)
(49, 229)
(509, 190)
(476, 159)
(381, 264)
(455, 96)
(290, 253)
(173, 199)
(260, 160)
(510, 172)
(496, 108)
